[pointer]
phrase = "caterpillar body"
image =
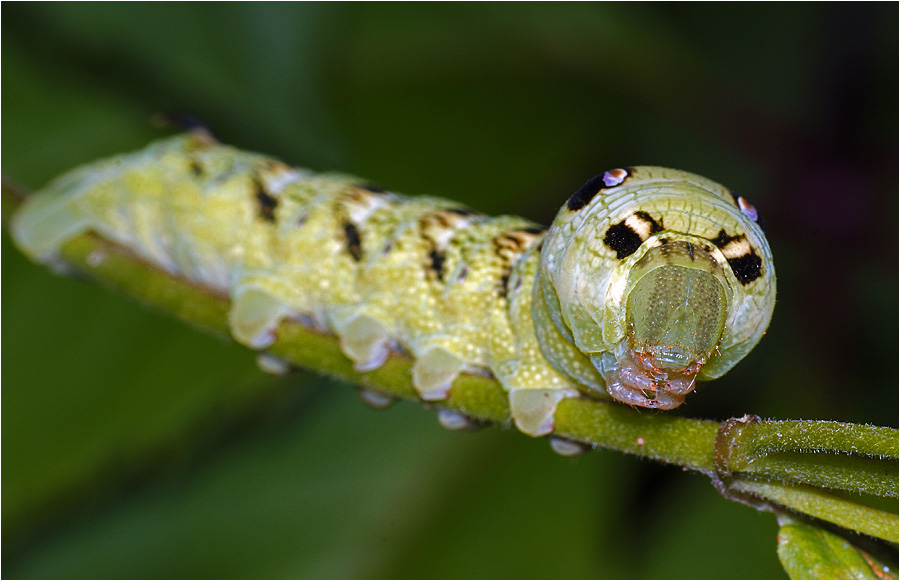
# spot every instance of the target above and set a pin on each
(648, 279)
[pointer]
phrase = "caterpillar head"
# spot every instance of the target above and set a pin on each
(649, 280)
(676, 305)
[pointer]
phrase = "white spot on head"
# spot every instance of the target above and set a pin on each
(736, 248)
(614, 177)
(747, 208)
(640, 226)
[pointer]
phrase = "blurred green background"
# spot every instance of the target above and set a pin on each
(135, 447)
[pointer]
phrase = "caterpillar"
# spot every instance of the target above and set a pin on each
(648, 280)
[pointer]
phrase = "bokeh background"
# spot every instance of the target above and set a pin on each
(133, 446)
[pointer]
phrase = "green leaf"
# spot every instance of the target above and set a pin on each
(809, 552)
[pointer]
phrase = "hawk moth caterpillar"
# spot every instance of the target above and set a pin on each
(647, 280)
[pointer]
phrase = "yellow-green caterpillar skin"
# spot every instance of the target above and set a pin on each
(550, 315)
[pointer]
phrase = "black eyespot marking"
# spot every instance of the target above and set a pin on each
(742, 258)
(370, 187)
(437, 263)
(593, 186)
(196, 168)
(622, 239)
(746, 268)
(628, 235)
(535, 230)
(586, 193)
(353, 243)
(266, 203)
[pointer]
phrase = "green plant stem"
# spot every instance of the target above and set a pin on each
(820, 504)
(829, 454)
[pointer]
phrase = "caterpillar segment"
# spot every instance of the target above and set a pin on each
(648, 280)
